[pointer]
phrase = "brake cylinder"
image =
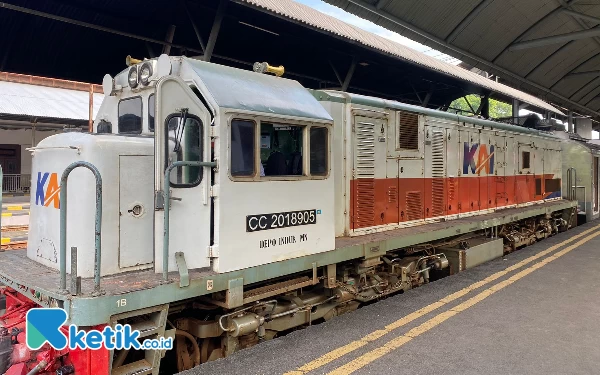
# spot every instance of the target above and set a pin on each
(245, 324)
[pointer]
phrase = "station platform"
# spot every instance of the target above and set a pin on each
(15, 210)
(535, 311)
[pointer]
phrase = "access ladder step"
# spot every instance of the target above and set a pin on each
(140, 367)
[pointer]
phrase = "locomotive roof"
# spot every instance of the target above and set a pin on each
(392, 104)
(250, 91)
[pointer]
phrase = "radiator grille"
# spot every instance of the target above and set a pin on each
(365, 203)
(451, 190)
(414, 205)
(408, 131)
(365, 174)
(365, 149)
(438, 172)
(392, 194)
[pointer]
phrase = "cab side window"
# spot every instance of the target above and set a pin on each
(319, 151)
(268, 149)
(151, 109)
(281, 152)
(185, 144)
(130, 116)
(242, 148)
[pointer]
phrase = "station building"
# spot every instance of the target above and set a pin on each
(33, 108)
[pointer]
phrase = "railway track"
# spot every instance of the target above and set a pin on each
(14, 245)
(15, 228)
(17, 245)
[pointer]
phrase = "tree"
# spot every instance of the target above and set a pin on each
(497, 109)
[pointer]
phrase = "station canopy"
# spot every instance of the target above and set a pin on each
(83, 40)
(550, 48)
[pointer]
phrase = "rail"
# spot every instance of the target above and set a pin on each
(572, 184)
(1, 178)
(12, 183)
(167, 199)
(63, 225)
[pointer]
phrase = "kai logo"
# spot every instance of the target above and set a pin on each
(47, 192)
(478, 158)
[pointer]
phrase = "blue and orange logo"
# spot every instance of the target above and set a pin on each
(478, 158)
(46, 325)
(47, 192)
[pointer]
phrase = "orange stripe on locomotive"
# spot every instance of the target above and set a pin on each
(398, 200)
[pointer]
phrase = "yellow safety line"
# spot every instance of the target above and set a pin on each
(6, 214)
(4, 240)
(397, 342)
(349, 348)
(14, 208)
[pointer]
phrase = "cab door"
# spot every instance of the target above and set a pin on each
(182, 134)
(596, 195)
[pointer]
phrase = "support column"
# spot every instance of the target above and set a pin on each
(214, 32)
(515, 111)
(169, 39)
(429, 94)
(570, 121)
(337, 75)
(349, 75)
(485, 106)
(196, 31)
(33, 143)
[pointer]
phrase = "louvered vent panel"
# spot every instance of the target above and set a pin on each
(438, 172)
(409, 131)
(365, 174)
(365, 149)
(365, 203)
(451, 189)
(414, 205)
(392, 194)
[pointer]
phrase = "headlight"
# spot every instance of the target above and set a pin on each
(133, 77)
(145, 73)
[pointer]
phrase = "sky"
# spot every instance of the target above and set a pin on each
(376, 29)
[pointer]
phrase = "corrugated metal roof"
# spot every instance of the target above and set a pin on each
(312, 17)
(482, 33)
(50, 102)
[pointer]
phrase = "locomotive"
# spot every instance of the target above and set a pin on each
(580, 175)
(226, 207)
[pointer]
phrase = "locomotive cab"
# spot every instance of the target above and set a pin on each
(254, 183)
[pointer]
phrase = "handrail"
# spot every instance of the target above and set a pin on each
(16, 182)
(63, 224)
(167, 199)
(1, 178)
(572, 184)
(569, 184)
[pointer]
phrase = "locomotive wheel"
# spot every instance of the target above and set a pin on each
(185, 361)
(206, 348)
